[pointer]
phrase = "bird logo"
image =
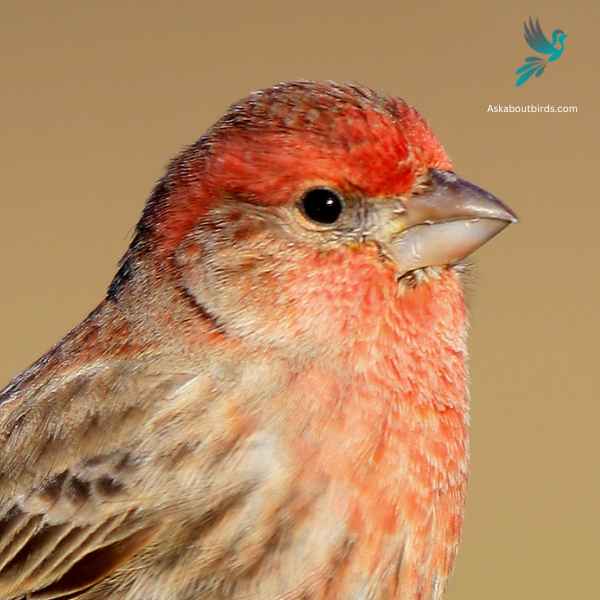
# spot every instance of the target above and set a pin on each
(537, 40)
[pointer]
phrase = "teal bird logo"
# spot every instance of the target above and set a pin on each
(535, 38)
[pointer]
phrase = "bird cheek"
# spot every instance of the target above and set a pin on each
(243, 292)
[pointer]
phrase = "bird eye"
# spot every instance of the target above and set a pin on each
(322, 205)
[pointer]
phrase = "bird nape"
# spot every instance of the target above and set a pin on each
(271, 401)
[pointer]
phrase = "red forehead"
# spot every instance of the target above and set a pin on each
(269, 147)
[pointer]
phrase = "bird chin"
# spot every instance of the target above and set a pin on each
(411, 279)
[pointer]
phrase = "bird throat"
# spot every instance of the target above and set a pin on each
(388, 427)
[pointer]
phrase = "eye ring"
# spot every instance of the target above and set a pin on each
(322, 205)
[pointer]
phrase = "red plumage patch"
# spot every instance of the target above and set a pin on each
(269, 147)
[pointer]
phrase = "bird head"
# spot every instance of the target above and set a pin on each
(306, 205)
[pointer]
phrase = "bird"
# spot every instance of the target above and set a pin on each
(271, 400)
(537, 41)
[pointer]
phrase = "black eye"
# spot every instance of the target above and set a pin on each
(322, 205)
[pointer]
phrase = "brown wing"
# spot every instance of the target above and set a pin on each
(69, 511)
(48, 559)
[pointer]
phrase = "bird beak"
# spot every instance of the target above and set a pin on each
(443, 224)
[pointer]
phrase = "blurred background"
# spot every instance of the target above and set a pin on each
(98, 96)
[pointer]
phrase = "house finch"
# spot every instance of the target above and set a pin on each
(271, 401)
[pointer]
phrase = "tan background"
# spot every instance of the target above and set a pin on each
(97, 96)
